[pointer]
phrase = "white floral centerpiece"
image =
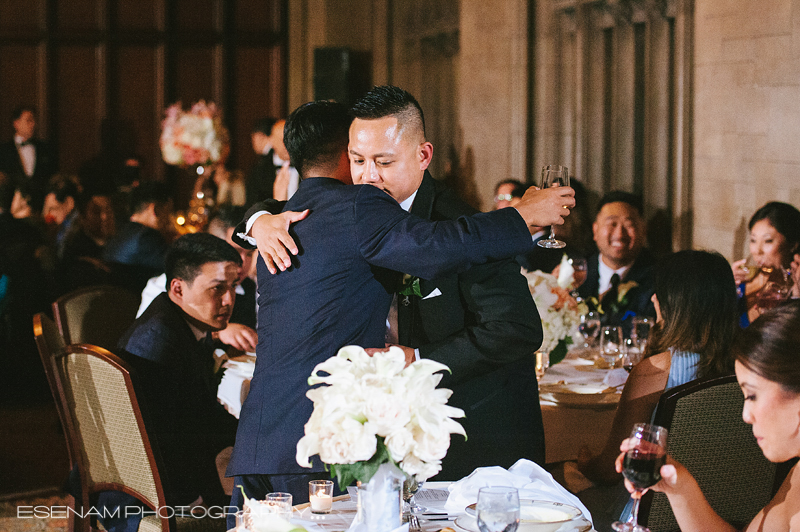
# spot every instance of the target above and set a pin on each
(196, 137)
(374, 415)
(559, 311)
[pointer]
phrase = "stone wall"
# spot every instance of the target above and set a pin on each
(747, 116)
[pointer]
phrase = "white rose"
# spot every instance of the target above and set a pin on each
(431, 446)
(416, 467)
(347, 441)
(399, 443)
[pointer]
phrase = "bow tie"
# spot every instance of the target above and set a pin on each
(25, 143)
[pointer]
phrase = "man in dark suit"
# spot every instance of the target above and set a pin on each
(170, 349)
(26, 158)
(261, 177)
(482, 323)
(136, 253)
(336, 291)
(620, 276)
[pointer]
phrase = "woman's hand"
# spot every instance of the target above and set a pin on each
(739, 272)
(671, 472)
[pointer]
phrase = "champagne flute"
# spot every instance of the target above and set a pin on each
(498, 509)
(553, 176)
(646, 454)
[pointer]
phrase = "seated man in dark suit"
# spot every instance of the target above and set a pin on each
(620, 276)
(171, 350)
(338, 290)
(136, 252)
(482, 323)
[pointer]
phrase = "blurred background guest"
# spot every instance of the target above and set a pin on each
(764, 278)
(27, 158)
(81, 263)
(136, 252)
(507, 190)
(261, 177)
(59, 212)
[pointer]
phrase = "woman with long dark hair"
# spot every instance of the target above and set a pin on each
(695, 322)
(769, 374)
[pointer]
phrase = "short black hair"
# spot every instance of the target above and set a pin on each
(65, 186)
(615, 196)
(519, 187)
(784, 218)
(316, 133)
(190, 252)
(18, 110)
(147, 193)
(264, 125)
(388, 100)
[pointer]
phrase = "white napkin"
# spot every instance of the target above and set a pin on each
(245, 369)
(615, 377)
(565, 272)
(530, 479)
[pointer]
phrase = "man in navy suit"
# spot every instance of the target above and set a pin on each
(27, 158)
(482, 322)
(620, 275)
(337, 289)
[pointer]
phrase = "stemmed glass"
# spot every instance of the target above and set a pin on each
(611, 344)
(553, 176)
(410, 488)
(640, 331)
(631, 354)
(579, 274)
(589, 328)
(647, 452)
(498, 509)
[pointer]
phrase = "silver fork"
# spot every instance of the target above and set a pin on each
(413, 523)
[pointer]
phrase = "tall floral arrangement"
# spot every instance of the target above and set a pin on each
(374, 410)
(196, 137)
(560, 313)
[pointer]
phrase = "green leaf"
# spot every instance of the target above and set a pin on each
(347, 474)
(411, 288)
(560, 351)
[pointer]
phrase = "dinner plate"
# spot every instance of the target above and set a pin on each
(579, 524)
(596, 395)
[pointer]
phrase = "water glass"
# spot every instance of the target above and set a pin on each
(640, 331)
(280, 504)
(589, 328)
(611, 345)
(498, 509)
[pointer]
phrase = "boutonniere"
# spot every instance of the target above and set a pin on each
(410, 286)
(622, 292)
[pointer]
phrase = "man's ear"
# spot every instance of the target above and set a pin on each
(69, 203)
(176, 290)
(425, 155)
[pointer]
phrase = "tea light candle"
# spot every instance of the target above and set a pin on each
(320, 496)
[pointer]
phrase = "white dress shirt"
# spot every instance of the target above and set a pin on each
(27, 154)
(605, 273)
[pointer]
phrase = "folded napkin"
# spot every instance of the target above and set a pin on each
(615, 377)
(245, 369)
(530, 479)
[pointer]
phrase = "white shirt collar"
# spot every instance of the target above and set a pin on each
(267, 148)
(605, 273)
(277, 161)
(539, 234)
(19, 140)
(408, 202)
(197, 332)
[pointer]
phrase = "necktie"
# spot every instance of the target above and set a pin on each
(610, 297)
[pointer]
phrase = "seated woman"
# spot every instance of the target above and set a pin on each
(769, 375)
(695, 322)
(774, 239)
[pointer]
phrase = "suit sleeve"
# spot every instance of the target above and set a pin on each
(270, 205)
(501, 325)
(391, 238)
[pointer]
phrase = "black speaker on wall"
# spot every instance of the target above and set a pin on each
(340, 74)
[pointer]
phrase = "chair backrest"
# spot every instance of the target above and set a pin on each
(97, 315)
(105, 419)
(50, 343)
(708, 436)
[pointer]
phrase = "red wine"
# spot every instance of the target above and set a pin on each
(643, 468)
(578, 278)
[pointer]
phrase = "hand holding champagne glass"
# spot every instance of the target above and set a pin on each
(641, 467)
(553, 176)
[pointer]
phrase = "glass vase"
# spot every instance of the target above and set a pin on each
(380, 501)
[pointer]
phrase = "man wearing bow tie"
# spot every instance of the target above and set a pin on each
(26, 158)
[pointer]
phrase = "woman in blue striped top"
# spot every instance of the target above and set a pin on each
(696, 317)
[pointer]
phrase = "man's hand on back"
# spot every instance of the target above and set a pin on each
(271, 232)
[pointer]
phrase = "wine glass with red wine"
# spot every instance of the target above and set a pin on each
(647, 452)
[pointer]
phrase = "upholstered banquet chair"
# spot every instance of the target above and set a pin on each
(709, 437)
(106, 425)
(97, 315)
